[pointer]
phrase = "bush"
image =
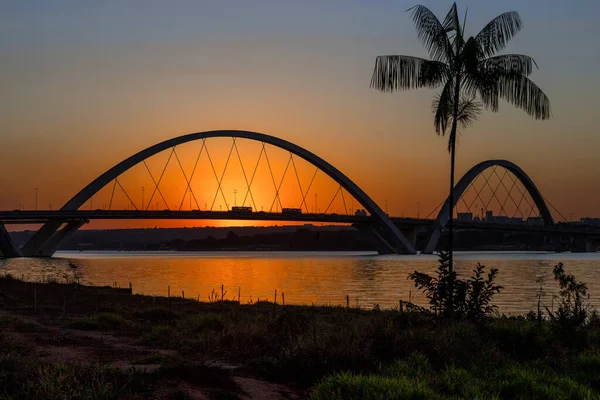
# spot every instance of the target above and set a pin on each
(573, 304)
(452, 297)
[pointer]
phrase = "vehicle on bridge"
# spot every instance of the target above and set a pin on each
(291, 211)
(241, 209)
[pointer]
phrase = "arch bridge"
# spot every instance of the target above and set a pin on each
(389, 234)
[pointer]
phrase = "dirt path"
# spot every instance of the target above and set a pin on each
(54, 343)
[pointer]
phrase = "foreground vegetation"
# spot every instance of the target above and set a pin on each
(72, 341)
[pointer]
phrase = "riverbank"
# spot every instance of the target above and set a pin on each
(76, 341)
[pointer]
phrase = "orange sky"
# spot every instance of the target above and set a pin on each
(84, 89)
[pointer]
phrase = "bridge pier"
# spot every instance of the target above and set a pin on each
(7, 247)
(48, 249)
(586, 244)
(382, 241)
(36, 242)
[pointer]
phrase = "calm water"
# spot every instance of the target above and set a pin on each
(307, 277)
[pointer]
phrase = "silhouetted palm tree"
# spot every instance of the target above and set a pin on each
(470, 73)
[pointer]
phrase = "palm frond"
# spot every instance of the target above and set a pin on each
(483, 85)
(469, 110)
(509, 63)
(441, 107)
(431, 33)
(497, 33)
(523, 93)
(396, 72)
(452, 24)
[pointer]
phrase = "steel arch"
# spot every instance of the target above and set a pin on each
(35, 245)
(463, 184)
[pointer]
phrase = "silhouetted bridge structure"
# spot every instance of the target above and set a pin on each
(390, 234)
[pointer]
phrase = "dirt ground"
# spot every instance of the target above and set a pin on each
(53, 342)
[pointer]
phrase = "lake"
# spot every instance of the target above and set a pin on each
(308, 277)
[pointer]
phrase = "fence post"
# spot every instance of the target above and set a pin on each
(239, 292)
(282, 299)
(275, 297)
(222, 292)
(169, 299)
(182, 294)
(130, 287)
(347, 301)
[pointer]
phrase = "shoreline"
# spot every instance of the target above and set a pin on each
(175, 346)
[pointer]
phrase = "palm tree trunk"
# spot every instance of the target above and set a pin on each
(451, 197)
(452, 164)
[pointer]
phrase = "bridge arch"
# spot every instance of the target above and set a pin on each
(38, 244)
(463, 184)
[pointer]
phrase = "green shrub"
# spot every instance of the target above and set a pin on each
(452, 297)
(104, 320)
(347, 386)
(573, 303)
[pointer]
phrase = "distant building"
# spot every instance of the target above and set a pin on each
(360, 213)
(501, 219)
(590, 221)
(535, 221)
(467, 216)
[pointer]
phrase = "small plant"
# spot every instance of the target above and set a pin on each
(573, 300)
(215, 296)
(452, 297)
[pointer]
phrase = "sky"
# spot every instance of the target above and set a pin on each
(87, 84)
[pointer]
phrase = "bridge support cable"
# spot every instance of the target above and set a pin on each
(308, 190)
(272, 176)
(128, 198)
(262, 149)
(494, 190)
(332, 200)
(555, 209)
(160, 180)
(112, 195)
(219, 181)
(156, 187)
(508, 193)
(188, 183)
(297, 177)
(277, 197)
(434, 210)
(530, 206)
(248, 190)
(477, 197)
(343, 199)
(509, 196)
(523, 197)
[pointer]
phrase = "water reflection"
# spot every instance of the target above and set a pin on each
(308, 278)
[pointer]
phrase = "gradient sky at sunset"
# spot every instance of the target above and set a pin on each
(86, 84)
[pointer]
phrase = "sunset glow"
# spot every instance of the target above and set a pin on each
(78, 98)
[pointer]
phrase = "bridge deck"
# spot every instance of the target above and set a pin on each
(41, 216)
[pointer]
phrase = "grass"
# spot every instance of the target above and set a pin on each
(103, 320)
(511, 381)
(334, 352)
